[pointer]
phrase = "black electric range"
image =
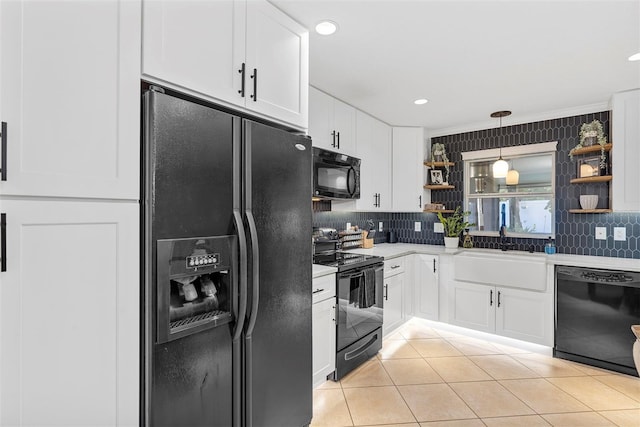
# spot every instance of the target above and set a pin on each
(345, 260)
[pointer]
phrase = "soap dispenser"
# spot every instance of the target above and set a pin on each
(550, 247)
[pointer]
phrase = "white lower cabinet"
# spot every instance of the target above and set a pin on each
(69, 314)
(427, 286)
(324, 328)
(514, 313)
(393, 290)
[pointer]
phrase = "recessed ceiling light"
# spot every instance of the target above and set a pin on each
(326, 28)
(420, 101)
(635, 57)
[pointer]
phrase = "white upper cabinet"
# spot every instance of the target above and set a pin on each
(70, 98)
(278, 58)
(374, 149)
(625, 132)
(197, 45)
(235, 52)
(332, 123)
(408, 175)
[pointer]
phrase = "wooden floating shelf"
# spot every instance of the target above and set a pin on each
(603, 178)
(581, 211)
(439, 187)
(439, 210)
(438, 164)
(591, 149)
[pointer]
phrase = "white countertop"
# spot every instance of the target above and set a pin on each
(322, 270)
(394, 250)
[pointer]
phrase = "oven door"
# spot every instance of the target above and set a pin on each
(359, 304)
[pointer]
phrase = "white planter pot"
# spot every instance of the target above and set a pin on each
(451, 242)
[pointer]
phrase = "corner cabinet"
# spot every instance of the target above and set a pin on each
(374, 141)
(70, 98)
(604, 179)
(625, 130)
(239, 53)
(408, 174)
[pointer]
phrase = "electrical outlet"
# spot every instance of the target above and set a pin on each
(438, 227)
(380, 226)
(348, 226)
(601, 233)
(619, 233)
(417, 226)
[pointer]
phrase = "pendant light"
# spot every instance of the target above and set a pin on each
(513, 177)
(500, 167)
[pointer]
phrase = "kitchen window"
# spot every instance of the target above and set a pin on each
(524, 202)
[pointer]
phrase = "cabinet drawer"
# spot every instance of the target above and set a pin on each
(394, 266)
(324, 287)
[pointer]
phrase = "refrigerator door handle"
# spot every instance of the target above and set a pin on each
(255, 274)
(241, 283)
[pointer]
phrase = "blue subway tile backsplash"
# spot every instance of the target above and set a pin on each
(575, 233)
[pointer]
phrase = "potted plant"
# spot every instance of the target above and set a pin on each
(439, 154)
(591, 134)
(453, 226)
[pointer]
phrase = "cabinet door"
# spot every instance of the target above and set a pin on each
(381, 160)
(408, 191)
(278, 48)
(426, 286)
(69, 314)
(368, 200)
(321, 119)
(324, 340)
(393, 313)
(70, 95)
(344, 123)
(196, 45)
(472, 306)
(626, 151)
(525, 315)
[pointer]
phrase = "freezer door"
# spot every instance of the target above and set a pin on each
(188, 192)
(278, 369)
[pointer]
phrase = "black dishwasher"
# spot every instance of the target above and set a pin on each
(594, 313)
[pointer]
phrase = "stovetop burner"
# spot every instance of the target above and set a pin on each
(345, 260)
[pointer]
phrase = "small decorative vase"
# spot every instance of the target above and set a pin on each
(636, 346)
(589, 141)
(451, 242)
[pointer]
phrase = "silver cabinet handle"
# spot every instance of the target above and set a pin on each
(395, 266)
(318, 290)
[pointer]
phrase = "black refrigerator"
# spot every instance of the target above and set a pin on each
(227, 268)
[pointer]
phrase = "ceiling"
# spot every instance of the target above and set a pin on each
(471, 58)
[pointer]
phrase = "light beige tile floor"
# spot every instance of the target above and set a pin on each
(427, 377)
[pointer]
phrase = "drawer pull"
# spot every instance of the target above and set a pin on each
(395, 266)
(318, 290)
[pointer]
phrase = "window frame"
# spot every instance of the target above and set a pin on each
(509, 153)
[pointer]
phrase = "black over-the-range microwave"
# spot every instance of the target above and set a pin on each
(335, 175)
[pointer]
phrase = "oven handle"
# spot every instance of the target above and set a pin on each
(364, 347)
(351, 276)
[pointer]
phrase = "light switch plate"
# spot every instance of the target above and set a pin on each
(380, 227)
(417, 226)
(619, 233)
(438, 227)
(601, 233)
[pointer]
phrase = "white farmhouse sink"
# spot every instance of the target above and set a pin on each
(493, 267)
